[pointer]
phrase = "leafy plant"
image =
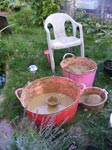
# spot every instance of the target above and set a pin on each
(40, 11)
(4, 5)
(90, 24)
(105, 38)
(14, 4)
(24, 18)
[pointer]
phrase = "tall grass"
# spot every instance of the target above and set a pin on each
(27, 136)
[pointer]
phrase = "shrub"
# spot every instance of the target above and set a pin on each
(41, 9)
(49, 137)
(4, 5)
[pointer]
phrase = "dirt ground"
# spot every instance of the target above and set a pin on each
(6, 131)
(4, 13)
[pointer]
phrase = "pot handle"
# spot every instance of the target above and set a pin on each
(82, 86)
(106, 93)
(68, 54)
(18, 93)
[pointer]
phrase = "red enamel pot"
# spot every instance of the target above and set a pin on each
(50, 85)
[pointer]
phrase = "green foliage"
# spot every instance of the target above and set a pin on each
(69, 29)
(24, 17)
(105, 38)
(90, 24)
(4, 54)
(21, 19)
(14, 4)
(4, 5)
(95, 128)
(19, 52)
(42, 8)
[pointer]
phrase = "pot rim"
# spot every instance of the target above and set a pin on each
(78, 84)
(58, 111)
(95, 105)
(82, 58)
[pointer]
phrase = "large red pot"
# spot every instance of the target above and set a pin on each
(49, 85)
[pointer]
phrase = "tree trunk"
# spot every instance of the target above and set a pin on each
(69, 7)
(102, 9)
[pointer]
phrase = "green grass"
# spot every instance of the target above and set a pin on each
(26, 46)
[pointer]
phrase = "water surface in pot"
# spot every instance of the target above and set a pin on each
(91, 99)
(39, 104)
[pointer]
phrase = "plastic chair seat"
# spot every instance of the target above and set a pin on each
(65, 42)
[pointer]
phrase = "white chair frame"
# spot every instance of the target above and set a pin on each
(61, 40)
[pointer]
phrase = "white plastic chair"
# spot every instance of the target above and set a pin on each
(61, 40)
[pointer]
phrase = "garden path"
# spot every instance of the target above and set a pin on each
(6, 130)
(4, 13)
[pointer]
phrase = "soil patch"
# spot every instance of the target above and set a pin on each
(6, 131)
(4, 13)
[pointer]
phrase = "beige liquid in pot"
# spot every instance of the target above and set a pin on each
(40, 106)
(91, 99)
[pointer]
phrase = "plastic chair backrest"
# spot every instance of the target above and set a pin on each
(58, 21)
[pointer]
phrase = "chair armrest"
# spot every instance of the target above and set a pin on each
(47, 33)
(80, 30)
(75, 28)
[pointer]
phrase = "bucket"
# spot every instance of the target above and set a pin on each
(51, 85)
(79, 69)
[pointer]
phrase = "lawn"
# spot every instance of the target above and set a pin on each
(25, 47)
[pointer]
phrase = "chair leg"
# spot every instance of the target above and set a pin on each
(82, 50)
(52, 61)
(46, 53)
